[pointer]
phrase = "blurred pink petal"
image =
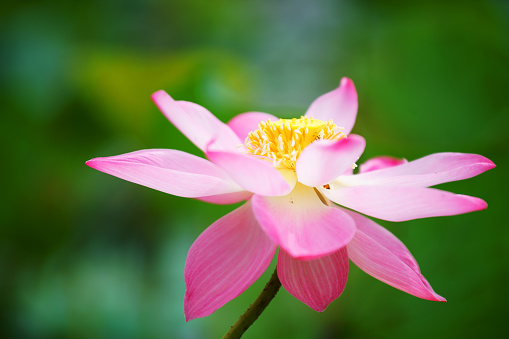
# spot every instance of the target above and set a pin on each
(224, 261)
(396, 203)
(339, 105)
(325, 160)
(169, 171)
(315, 282)
(227, 198)
(244, 123)
(378, 163)
(301, 224)
(195, 122)
(380, 254)
(431, 170)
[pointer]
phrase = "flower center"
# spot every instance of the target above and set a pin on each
(282, 141)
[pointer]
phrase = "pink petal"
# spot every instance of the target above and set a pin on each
(314, 282)
(340, 105)
(325, 160)
(301, 224)
(253, 174)
(403, 203)
(227, 198)
(195, 122)
(431, 170)
(224, 261)
(380, 254)
(169, 171)
(244, 123)
(378, 163)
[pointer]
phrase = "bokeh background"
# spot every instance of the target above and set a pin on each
(87, 255)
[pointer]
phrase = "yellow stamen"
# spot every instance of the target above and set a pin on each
(282, 141)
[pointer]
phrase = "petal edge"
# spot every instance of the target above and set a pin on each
(325, 160)
(224, 261)
(170, 171)
(394, 203)
(340, 105)
(302, 225)
(380, 254)
(315, 282)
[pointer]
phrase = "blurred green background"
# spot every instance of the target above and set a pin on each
(87, 255)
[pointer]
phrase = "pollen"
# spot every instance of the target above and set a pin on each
(282, 141)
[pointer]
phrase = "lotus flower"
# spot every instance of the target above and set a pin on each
(291, 173)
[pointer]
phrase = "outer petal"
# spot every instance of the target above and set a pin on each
(224, 261)
(431, 170)
(244, 123)
(253, 174)
(325, 160)
(403, 203)
(340, 105)
(227, 198)
(195, 122)
(302, 225)
(378, 163)
(169, 171)
(314, 282)
(380, 254)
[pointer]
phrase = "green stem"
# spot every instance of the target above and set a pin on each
(256, 308)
